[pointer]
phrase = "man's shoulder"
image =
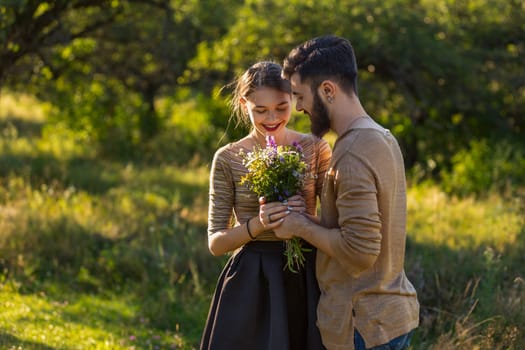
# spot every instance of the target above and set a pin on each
(370, 140)
(372, 136)
(367, 144)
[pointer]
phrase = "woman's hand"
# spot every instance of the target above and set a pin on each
(296, 203)
(271, 214)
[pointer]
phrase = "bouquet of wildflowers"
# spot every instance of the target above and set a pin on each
(277, 173)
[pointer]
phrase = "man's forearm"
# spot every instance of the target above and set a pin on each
(318, 236)
(348, 250)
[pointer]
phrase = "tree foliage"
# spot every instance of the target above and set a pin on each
(439, 73)
(103, 63)
(428, 68)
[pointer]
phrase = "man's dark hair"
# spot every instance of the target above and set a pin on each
(326, 57)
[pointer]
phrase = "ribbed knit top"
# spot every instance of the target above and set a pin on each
(232, 204)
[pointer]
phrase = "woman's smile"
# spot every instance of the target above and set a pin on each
(271, 127)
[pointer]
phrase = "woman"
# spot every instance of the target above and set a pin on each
(257, 303)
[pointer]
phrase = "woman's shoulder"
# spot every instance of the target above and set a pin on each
(312, 142)
(231, 151)
(307, 138)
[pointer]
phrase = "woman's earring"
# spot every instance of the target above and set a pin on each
(330, 99)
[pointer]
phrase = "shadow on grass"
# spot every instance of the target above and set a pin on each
(468, 295)
(94, 176)
(23, 127)
(9, 341)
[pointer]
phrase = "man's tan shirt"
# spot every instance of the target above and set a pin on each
(364, 284)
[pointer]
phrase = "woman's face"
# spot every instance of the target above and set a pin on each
(269, 110)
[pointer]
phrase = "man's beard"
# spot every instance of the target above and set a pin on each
(320, 122)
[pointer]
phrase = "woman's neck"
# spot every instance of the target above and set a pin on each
(283, 138)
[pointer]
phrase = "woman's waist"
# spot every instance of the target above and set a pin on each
(275, 244)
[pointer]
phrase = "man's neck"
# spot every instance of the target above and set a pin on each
(345, 113)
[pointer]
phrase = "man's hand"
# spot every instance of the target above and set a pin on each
(292, 225)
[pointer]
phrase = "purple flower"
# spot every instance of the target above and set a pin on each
(298, 146)
(270, 142)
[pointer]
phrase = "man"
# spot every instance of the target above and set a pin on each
(366, 302)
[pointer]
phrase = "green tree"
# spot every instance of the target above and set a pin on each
(439, 73)
(104, 63)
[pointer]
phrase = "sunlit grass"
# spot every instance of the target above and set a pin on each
(107, 254)
(27, 142)
(127, 238)
(465, 256)
(23, 106)
(102, 254)
(437, 219)
(37, 321)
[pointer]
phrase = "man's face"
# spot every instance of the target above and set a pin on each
(312, 105)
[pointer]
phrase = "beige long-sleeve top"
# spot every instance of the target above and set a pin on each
(364, 284)
(231, 204)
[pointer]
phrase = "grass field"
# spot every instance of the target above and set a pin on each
(108, 254)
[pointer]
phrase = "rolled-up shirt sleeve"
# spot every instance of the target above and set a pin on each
(221, 195)
(359, 243)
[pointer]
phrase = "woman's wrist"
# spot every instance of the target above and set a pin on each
(252, 237)
(256, 227)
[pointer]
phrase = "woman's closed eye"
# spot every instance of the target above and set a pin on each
(264, 111)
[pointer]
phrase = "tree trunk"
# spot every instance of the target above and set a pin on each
(149, 122)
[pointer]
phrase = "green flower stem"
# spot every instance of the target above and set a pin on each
(294, 253)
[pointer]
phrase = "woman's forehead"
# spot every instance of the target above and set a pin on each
(268, 96)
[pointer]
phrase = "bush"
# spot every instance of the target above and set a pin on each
(486, 166)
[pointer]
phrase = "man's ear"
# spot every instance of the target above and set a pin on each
(327, 90)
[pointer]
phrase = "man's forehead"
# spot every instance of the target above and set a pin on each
(295, 78)
(297, 85)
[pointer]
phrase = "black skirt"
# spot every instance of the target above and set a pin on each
(259, 306)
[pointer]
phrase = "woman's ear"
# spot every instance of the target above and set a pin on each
(242, 102)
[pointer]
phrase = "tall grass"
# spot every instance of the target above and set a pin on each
(75, 227)
(466, 258)
(110, 254)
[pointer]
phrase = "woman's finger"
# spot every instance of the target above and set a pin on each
(279, 215)
(296, 201)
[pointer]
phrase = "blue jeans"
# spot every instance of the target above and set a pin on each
(400, 343)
